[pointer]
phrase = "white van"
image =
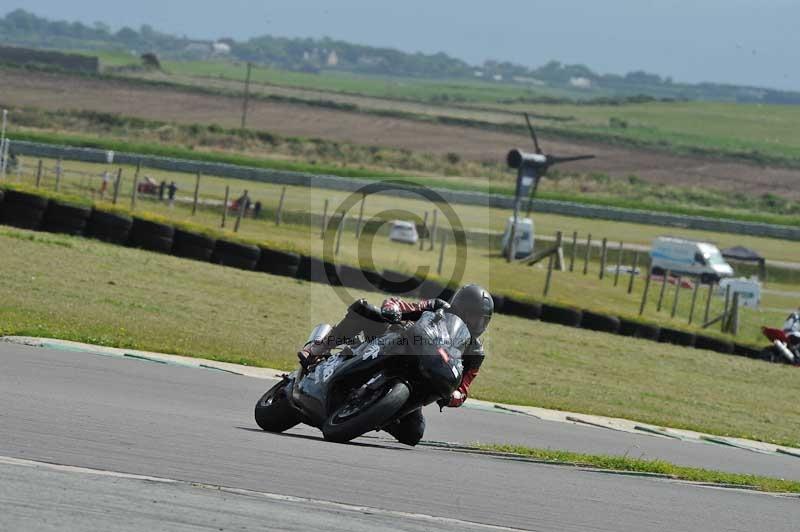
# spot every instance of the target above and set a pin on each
(688, 257)
(405, 232)
(523, 236)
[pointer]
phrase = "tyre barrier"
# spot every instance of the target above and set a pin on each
(561, 315)
(23, 210)
(109, 227)
(235, 255)
(594, 321)
(530, 311)
(713, 344)
(152, 236)
(647, 331)
(676, 337)
(277, 262)
(430, 289)
(358, 279)
(313, 270)
(499, 303)
(627, 327)
(399, 284)
(751, 352)
(191, 245)
(66, 218)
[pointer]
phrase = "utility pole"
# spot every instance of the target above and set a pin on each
(246, 94)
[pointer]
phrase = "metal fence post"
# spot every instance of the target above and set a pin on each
(324, 219)
(225, 205)
(677, 295)
(572, 251)
(644, 294)
(442, 244)
(278, 215)
(242, 208)
(360, 215)
(58, 175)
(39, 173)
(588, 254)
(633, 271)
(433, 229)
(603, 258)
(425, 229)
(619, 264)
(117, 184)
(663, 288)
(694, 301)
(196, 193)
(547, 279)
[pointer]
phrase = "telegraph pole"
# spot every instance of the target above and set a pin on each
(246, 94)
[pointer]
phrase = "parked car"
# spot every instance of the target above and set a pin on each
(405, 232)
(688, 257)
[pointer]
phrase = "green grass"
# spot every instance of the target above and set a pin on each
(659, 467)
(77, 289)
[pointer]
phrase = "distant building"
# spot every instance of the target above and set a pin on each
(497, 77)
(333, 59)
(478, 73)
(581, 83)
(221, 48)
(198, 47)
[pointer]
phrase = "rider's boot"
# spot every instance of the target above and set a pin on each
(317, 345)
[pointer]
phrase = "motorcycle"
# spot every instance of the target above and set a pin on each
(372, 383)
(783, 344)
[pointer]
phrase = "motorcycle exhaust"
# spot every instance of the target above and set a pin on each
(783, 350)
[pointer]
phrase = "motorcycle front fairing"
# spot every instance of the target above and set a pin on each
(314, 394)
(438, 341)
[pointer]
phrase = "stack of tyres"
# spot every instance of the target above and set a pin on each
(66, 218)
(23, 210)
(152, 236)
(236, 255)
(109, 227)
(190, 245)
(278, 262)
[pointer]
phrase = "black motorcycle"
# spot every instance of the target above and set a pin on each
(371, 384)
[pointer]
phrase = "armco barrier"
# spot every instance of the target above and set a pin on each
(236, 254)
(451, 196)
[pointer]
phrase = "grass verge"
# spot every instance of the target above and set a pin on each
(659, 467)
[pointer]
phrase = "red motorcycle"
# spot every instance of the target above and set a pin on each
(784, 345)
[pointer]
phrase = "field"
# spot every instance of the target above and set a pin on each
(744, 129)
(77, 289)
(188, 106)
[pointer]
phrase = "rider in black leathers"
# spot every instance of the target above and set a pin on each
(471, 303)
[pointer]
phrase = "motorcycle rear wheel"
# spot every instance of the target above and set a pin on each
(273, 412)
(350, 421)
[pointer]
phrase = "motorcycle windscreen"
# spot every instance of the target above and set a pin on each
(439, 342)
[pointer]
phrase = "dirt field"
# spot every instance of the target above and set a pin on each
(58, 91)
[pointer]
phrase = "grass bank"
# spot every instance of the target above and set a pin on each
(78, 289)
(658, 467)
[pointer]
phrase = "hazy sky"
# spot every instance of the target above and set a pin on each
(739, 41)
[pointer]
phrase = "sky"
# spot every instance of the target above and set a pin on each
(746, 42)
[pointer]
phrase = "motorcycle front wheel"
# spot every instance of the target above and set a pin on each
(359, 415)
(273, 411)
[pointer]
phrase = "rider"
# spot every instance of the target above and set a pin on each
(471, 303)
(792, 329)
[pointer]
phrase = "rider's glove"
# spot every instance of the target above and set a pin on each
(434, 304)
(456, 399)
(390, 311)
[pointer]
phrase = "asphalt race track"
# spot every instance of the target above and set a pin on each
(141, 445)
